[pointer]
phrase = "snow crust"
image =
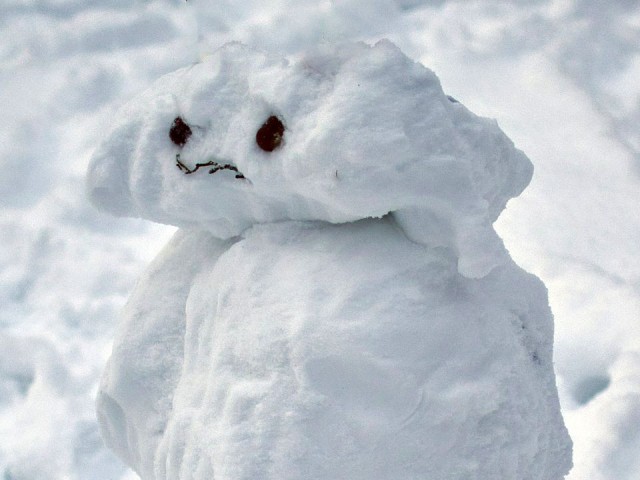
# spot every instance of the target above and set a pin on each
(344, 309)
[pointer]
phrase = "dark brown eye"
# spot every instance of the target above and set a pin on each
(179, 132)
(269, 136)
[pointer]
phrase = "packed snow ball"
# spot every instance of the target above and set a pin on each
(336, 303)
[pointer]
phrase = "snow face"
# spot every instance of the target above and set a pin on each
(366, 132)
(337, 303)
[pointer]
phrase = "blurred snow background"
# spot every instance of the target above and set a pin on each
(561, 77)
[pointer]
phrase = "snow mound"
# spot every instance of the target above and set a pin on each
(337, 303)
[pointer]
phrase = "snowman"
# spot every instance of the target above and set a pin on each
(336, 303)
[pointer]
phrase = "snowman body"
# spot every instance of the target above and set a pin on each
(352, 316)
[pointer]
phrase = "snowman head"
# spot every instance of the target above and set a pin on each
(338, 135)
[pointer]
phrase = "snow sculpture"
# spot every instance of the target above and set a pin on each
(336, 304)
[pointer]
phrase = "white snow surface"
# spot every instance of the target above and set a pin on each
(339, 307)
(559, 76)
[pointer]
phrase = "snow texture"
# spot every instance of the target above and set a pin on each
(339, 307)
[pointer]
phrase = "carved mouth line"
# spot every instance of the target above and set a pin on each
(217, 167)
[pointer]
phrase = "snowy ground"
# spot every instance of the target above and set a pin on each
(560, 77)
